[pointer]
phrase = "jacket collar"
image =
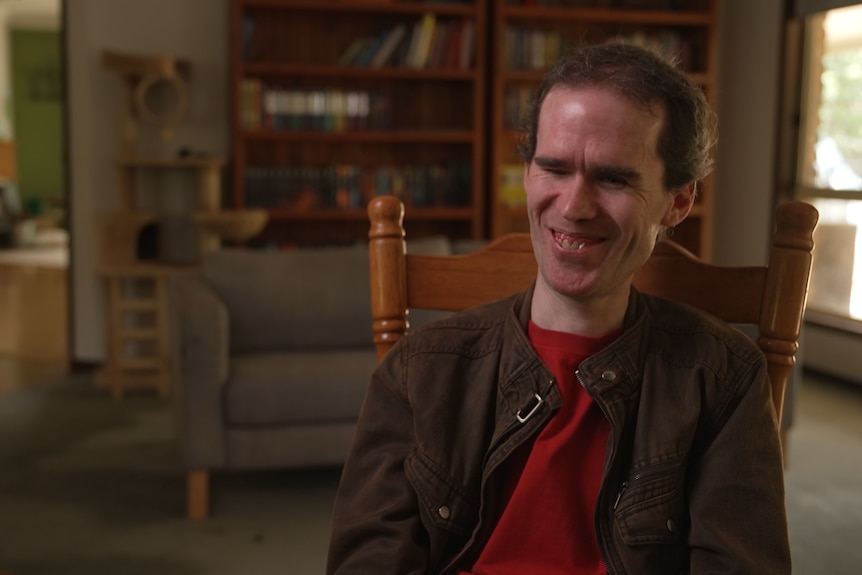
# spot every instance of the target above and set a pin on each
(611, 376)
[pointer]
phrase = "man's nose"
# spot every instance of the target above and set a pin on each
(578, 199)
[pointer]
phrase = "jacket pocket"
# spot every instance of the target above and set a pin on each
(651, 507)
(443, 501)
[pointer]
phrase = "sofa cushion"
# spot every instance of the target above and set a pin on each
(430, 246)
(300, 299)
(306, 298)
(284, 388)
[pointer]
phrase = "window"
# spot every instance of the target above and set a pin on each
(830, 163)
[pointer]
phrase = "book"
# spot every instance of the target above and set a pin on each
(352, 51)
(512, 185)
(452, 51)
(423, 41)
(384, 53)
(410, 56)
(250, 103)
(438, 40)
(468, 31)
(247, 37)
(371, 46)
(399, 57)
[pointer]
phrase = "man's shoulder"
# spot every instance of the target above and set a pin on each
(685, 329)
(473, 330)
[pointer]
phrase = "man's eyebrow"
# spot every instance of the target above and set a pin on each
(547, 162)
(626, 173)
(622, 172)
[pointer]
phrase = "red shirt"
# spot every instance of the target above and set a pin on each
(547, 527)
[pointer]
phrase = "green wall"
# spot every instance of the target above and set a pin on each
(37, 114)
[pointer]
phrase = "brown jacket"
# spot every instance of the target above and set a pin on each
(693, 479)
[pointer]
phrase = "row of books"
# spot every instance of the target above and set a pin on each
(566, 3)
(516, 103)
(512, 192)
(630, 4)
(325, 109)
(667, 43)
(350, 186)
(530, 48)
(429, 43)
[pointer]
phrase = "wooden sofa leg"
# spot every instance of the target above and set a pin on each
(197, 493)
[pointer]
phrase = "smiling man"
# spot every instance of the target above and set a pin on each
(580, 427)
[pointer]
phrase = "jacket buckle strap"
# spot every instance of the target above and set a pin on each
(531, 408)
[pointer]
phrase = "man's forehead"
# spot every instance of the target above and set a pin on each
(592, 112)
(654, 107)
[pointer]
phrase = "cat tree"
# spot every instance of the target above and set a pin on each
(140, 244)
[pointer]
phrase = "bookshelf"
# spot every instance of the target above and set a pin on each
(336, 101)
(528, 34)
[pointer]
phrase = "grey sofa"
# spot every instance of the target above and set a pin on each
(271, 354)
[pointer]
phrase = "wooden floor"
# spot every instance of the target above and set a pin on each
(34, 324)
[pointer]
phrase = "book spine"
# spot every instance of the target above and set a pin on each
(384, 53)
(426, 35)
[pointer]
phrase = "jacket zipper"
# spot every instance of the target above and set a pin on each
(622, 490)
(540, 399)
(610, 460)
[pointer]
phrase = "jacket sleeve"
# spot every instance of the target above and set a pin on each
(376, 526)
(737, 506)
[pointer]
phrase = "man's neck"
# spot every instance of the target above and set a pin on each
(592, 316)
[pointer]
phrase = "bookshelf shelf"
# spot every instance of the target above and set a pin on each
(610, 16)
(392, 102)
(418, 214)
(526, 40)
(382, 137)
(379, 7)
(275, 69)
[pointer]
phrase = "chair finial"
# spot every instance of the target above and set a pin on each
(794, 225)
(386, 214)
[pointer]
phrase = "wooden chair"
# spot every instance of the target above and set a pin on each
(771, 297)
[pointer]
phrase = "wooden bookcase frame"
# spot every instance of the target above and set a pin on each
(438, 113)
(435, 120)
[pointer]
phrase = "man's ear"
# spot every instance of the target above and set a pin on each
(683, 201)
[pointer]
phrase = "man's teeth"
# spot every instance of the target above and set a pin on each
(569, 244)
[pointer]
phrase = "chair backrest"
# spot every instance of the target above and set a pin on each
(771, 297)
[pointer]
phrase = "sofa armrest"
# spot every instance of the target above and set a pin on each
(199, 328)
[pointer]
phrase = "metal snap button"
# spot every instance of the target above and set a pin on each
(671, 525)
(444, 512)
(609, 375)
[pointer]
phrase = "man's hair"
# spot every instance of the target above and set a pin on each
(687, 138)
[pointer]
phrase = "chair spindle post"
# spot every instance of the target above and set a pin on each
(387, 251)
(781, 321)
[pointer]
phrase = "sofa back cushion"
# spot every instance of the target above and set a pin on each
(305, 298)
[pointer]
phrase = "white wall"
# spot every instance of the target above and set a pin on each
(195, 30)
(749, 66)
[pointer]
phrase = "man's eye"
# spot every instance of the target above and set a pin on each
(614, 180)
(555, 171)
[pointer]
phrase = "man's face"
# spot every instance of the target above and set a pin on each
(595, 192)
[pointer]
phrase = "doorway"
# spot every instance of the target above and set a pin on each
(34, 261)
